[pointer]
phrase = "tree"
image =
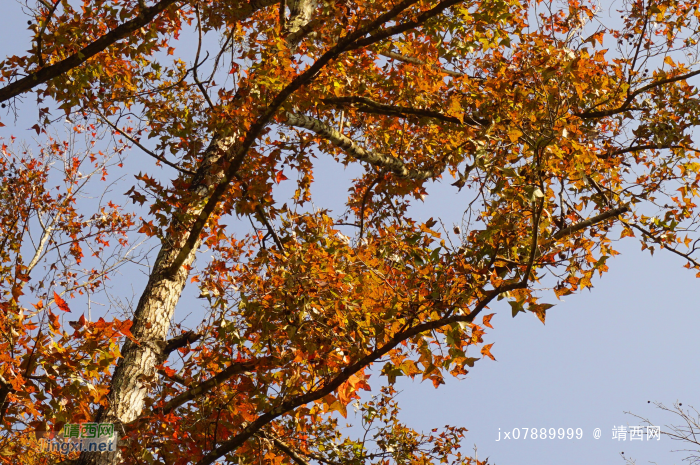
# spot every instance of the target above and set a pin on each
(557, 144)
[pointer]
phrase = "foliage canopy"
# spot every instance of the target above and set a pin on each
(562, 130)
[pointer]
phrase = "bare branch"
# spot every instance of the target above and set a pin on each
(660, 242)
(148, 152)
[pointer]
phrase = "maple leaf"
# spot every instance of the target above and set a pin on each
(279, 177)
(61, 303)
(487, 320)
(486, 351)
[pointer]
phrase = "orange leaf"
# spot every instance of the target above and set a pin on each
(124, 327)
(487, 320)
(61, 303)
(280, 177)
(486, 351)
(55, 325)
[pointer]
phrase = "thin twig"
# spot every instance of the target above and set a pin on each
(148, 152)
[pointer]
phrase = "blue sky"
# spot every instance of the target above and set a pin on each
(631, 340)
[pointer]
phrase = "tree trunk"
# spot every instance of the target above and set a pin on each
(136, 368)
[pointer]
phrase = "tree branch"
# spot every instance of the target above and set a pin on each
(45, 74)
(338, 139)
(416, 61)
(177, 378)
(180, 341)
(370, 106)
(630, 97)
(148, 152)
(574, 228)
(535, 237)
(205, 386)
(403, 27)
(284, 448)
(263, 218)
(661, 243)
(39, 36)
(637, 148)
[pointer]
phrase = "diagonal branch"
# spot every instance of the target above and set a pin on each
(270, 229)
(260, 210)
(40, 35)
(370, 106)
(338, 139)
(406, 26)
(625, 107)
(574, 228)
(120, 32)
(138, 144)
(648, 234)
(206, 386)
(637, 148)
(298, 459)
(289, 405)
(255, 426)
(180, 341)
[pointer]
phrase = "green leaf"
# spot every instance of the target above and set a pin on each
(470, 361)
(517, 307)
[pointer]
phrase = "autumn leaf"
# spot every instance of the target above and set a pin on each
(486, 351)
(279, 177)
(61, 303)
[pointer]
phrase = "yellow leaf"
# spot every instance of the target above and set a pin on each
(514, 135)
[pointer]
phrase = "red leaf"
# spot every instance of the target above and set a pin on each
(61, 303)
(124, 328)
(280, 177)
(36, 128)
